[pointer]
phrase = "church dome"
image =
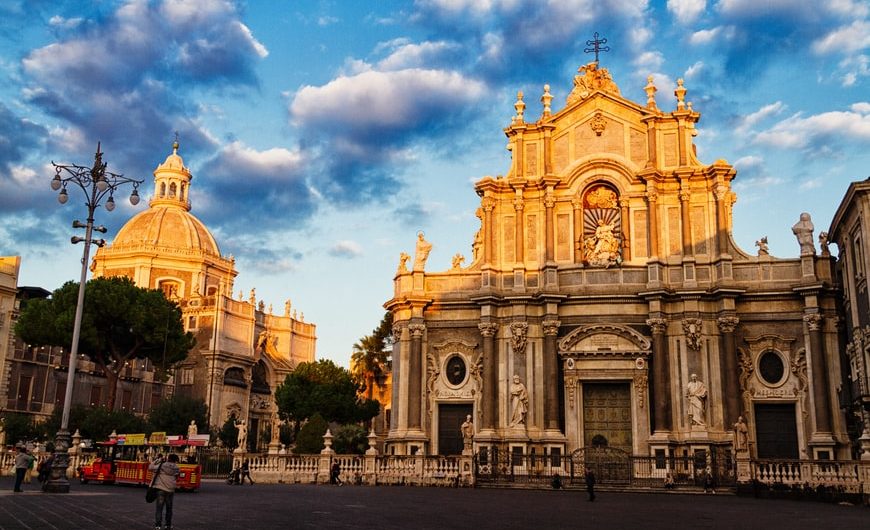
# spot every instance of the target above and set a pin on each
(167, 228)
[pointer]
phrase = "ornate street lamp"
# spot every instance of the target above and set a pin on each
(96, 183)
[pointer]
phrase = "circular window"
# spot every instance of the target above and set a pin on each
(455, 370)
(771, 367)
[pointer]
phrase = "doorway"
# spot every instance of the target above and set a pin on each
(607, 415)
(450, 418)
(776, 430)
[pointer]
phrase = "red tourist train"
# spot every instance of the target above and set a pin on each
(124, 459)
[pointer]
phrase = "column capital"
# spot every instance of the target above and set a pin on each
(549, 200)
(416, 330)
(397, 332)
(551, 327)
(658, 325)
(814, 321)
(487, 203)
(727, 324)
(487, 329)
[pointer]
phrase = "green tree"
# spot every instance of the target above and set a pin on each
(120, 322)
(310, 437)
(350, 439)
(322, 388)
(97, 423)
(20, 428)
(173, 415)
(371, 358)
(229, 433)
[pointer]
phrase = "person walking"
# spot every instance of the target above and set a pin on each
(590, 484)
(23, 462)
(335, 473)
(708, 482)
(246, 472)
(45, 470)
(166, 473)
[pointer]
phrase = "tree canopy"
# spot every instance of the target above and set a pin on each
(173, 415)
(322, 388)
(120, 322)
(371, 360)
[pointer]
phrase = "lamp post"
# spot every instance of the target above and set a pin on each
(96, 183)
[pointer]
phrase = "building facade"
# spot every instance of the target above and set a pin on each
(244, 349)
(9, 267)
(605, 302)
(850, 231)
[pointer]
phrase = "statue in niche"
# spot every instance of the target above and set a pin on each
(467, 429)
(696, 393)
(602, 248)
(763, 249)
(403, 263)
(519, 402)
(741, 435)
(422, 252)
(803, 230)
(191, 429)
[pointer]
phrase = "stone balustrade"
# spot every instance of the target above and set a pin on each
(851, 476)
(76, 460)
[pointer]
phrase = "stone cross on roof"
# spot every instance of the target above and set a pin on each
(596, 46)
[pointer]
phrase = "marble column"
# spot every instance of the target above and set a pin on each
(662, 417)
(730, 385)
(414, 375)
(551, 377)
(653, 219)
(721, 219)
(490, 375)
(820, 373)
(397, 378)
(488, 205)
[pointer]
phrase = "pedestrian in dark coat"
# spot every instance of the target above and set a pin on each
(590, 483)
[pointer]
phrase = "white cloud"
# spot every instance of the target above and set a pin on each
(326, 20)
(755, 8)
(748, 163)
(694, 70)
(66, 23)
(861, 108)
(393, 99)
(749, 121)
(649, 61)
(409, 55)
(798, 132)
(706, 36)
(346, 249)
(858, 66)
(845, 39)
(686, 11)
(273, 164)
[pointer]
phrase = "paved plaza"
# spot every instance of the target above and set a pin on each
(217, 506)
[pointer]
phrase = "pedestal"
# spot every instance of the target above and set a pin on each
(744, 470)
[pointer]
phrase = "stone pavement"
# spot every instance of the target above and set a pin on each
(218, 506)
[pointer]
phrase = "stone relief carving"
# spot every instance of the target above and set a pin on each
(598, 124)
(692, 330)
(519, 337)
(641, 381)
(437, 384)
(754, 387)
(602, 248)
(591, 78)
(571, 386)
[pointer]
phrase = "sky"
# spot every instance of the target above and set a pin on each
(323, 135)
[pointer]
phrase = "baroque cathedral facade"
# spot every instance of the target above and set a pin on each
(243, 349)
(606, 303)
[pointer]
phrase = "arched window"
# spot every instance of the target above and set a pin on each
(163, 189)
(259, 383)
(172, 189)
(170, 289)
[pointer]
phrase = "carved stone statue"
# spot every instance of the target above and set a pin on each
(467, 429)
(763, 249)
(803, 230)
(403, 262)
(519, 402)
(696, 393)
(602, 249)
(741, 435)
(242, 440)
(422, 252)
(287, 308)
(253, 297)
(823, 244)
(457, 261)
(191, 429)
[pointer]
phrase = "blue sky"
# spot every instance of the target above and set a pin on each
(323, 135)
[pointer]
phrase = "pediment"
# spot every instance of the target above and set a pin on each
(604, 338)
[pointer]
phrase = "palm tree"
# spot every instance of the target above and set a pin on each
(370, 361)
